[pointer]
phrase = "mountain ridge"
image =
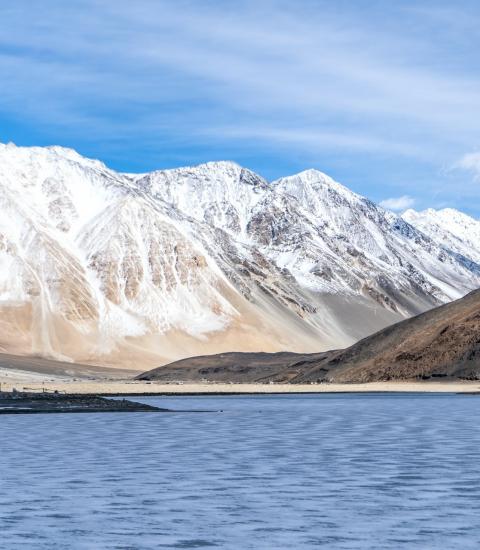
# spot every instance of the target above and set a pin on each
(102, 267)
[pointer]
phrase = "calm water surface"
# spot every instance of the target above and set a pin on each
(344, 471)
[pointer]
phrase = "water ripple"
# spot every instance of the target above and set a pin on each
(339, 472)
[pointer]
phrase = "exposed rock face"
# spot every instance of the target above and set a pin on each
(116, 269)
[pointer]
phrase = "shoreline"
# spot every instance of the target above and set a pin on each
(108, 387)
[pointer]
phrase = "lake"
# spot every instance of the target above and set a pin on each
(349, 471)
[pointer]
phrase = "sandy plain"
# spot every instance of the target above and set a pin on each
(33, 381)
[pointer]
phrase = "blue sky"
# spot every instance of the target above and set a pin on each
(383, 96)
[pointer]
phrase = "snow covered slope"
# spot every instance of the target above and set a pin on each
(453, 229)
(118, 269)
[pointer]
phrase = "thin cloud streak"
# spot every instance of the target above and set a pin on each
(398, 203)
(470, 162)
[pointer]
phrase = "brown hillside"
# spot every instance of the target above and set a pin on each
(441, 343)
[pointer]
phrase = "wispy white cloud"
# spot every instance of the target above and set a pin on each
(314, 139)
(307, 66)
(398, 203)
(470, 162)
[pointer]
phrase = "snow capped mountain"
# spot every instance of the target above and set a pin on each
(374, 250)
(221, 194)
(455, 230)
(136, 270)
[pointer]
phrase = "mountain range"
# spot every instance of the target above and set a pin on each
(137, 270)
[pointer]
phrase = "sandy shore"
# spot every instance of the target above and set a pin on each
(25, 381)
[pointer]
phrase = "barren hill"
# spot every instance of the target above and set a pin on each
(443, 342)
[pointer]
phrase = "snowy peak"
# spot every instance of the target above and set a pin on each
(313, 187)
(50, 154)
(221, 194)
(455, 230)
(451, 219)
(223, 174)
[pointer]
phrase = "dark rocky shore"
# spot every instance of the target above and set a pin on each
(31, 403)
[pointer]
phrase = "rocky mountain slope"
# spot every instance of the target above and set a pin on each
(441, 343)
(138, 270)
